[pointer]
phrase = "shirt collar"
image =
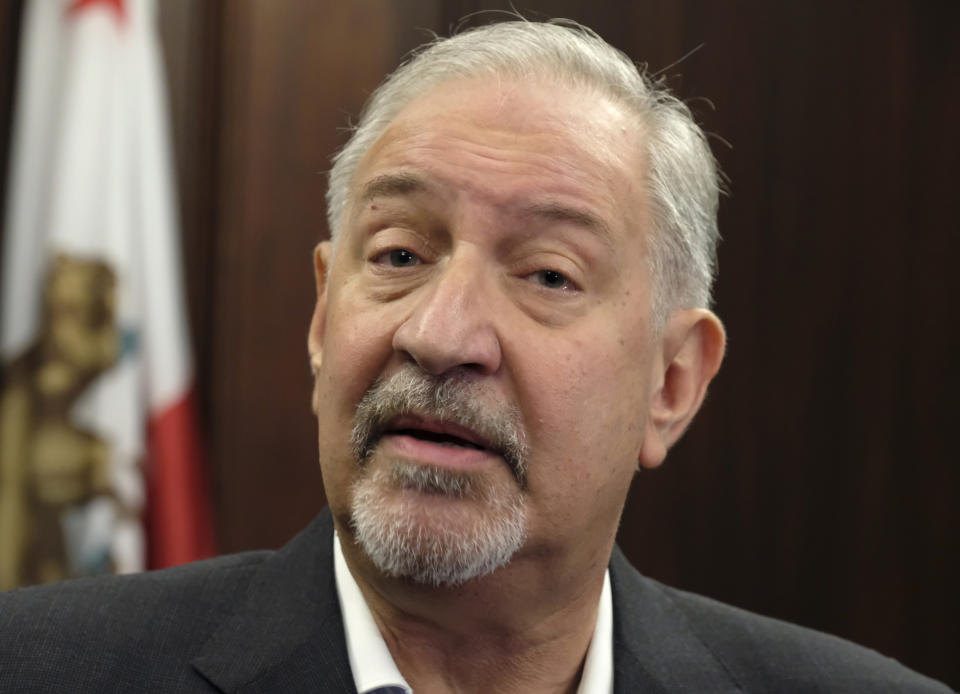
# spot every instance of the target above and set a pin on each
(373, 666)
(370, 659)
(597, 677)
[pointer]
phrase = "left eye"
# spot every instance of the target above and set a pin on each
(551, 279)
(398, 257)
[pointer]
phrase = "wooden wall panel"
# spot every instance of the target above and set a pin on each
(190, 32)
(813, 485)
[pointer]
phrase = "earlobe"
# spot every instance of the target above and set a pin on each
(692, 348)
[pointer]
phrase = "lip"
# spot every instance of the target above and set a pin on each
(435, 426)
(396, 442)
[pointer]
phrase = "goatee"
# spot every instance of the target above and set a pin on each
(485, 523)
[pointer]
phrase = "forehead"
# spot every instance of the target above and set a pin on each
(506, 143)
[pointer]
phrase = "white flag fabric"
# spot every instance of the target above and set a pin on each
(97, 375)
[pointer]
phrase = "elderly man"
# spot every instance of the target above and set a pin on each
(512, 316)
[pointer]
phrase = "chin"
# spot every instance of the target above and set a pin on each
(434, 526)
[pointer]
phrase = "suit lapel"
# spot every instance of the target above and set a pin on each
(287, 633)
(655, 650)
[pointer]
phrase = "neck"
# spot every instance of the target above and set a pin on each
(526, 627)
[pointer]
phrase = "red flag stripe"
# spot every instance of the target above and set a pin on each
(178, 519)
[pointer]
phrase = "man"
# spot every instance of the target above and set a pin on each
(511, 317)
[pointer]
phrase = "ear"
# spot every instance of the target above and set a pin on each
(321, 262)
(692, 347)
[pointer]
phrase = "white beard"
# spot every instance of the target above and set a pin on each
(483, 529)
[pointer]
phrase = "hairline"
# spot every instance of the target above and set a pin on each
(680, 249)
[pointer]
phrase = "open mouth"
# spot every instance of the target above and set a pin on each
(443, 439)
(436, 431)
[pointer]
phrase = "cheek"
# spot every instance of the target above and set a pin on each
(358, 346)
(356, 351)
(589, 408)
(591, 381)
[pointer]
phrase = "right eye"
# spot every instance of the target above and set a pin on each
(398, 257)
(551, 279)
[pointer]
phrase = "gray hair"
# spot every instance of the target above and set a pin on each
(682, 178)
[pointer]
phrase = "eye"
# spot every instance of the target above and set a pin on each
(551, 279)
(398, 257)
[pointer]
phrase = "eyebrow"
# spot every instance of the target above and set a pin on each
(556, 212)
(405, 184)
(392, 185)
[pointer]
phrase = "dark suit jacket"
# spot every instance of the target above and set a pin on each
(270, 622)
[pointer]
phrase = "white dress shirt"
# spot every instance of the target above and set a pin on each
(373, 666)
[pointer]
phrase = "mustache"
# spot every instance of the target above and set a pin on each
(451, 398)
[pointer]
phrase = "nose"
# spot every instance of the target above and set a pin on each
(452, 324)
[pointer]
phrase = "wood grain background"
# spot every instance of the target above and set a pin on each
(819, 484)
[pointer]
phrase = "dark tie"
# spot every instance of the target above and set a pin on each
(387, 690)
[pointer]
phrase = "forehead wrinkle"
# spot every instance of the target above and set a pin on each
(548, 175)
(492, 141)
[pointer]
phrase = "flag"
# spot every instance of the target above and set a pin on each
(100, 466)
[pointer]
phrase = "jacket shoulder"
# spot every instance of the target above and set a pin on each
(129, 629)
(767, 654)
(757, 653)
